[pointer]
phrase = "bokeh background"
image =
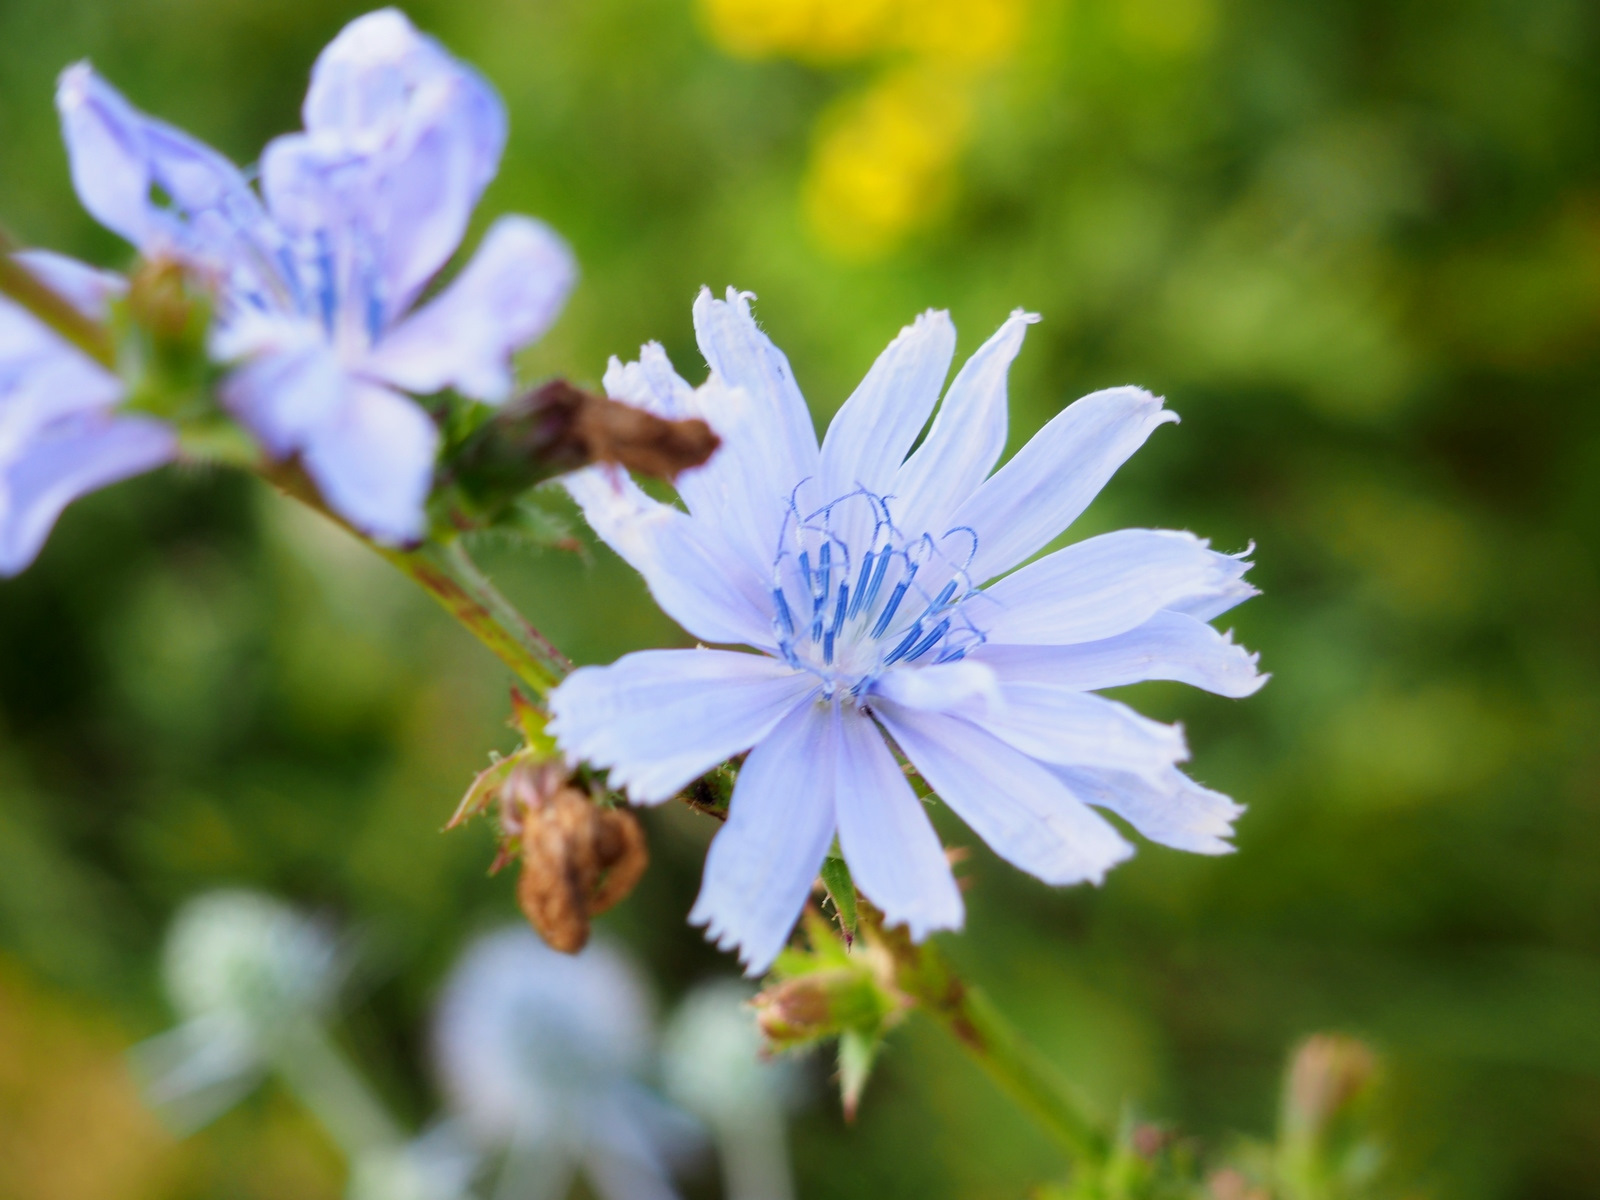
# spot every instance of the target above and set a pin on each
(1357, 246)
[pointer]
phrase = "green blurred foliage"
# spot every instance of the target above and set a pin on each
(1357, 245)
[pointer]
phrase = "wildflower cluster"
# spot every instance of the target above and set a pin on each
(543, 1059)
(879, 633)
(326, 360)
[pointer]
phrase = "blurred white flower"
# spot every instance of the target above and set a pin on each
(712, 1065)
(541, 1053)
(248, 974)
(249, 959)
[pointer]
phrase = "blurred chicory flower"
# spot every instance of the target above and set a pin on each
(249, 975)
(320, 275)
(540, 1053)
(61, 432)
(862, 575)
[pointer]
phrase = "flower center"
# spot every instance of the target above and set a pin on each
(854, 595)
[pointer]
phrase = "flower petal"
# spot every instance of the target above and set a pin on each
(504, 298)
(1052, 479)
(373, 462)
(1209, 604)
(43, 378)
(290, 385)
(762, 862)
(893, 853)
(874, 430)
(68, 459)
(1107, 585)
(691, 572)
(783, 438)
(734, 489)
(1056, 724)
(651, 383)
(1015, 804)
(659, 719)
(370, 450)
(966, 438)
(118, 155)
(191, 1075)
(941, 687)
(1173, 810)
(1169, 645)
(368, 80)
(430, 129)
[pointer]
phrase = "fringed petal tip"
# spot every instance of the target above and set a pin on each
(725, 941)
(726, 936)
(1172, 810)
(921, 927)
(1250, 679)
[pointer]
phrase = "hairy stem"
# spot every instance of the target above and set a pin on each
(448, 574)
(30, 292)
(925, 975)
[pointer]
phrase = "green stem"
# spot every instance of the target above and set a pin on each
(318, 1074)
(54, 310)
(448, 574)
(925, 975)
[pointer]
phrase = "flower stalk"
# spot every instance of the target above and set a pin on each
(30, 292)
(447, 573)
(317, 1072)
(923, 974)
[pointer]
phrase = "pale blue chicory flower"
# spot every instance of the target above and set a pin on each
(61, 432)
(541, 1055)
(319, 275)
(863, 576)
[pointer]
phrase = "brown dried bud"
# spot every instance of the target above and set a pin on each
(578, 859)
(167, 301)
(558, 428)
(1328, 1075)
(820, 1004)
(611, 432)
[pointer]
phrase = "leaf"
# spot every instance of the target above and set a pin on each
(858, 1052)
(842, 891)
(532, 521)
(530, 719)
(485, 786)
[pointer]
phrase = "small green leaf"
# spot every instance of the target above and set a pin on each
(842, 891)
(857, 1053)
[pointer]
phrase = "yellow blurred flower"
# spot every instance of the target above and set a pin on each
(814, 30)
(883, 164)
(973, 32)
